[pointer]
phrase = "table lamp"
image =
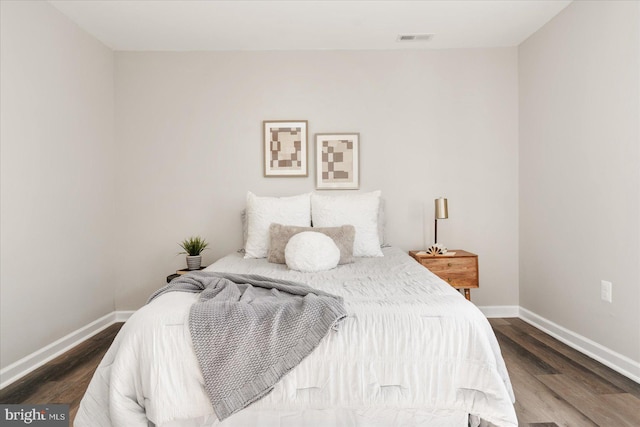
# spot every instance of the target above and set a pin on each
(442, 212)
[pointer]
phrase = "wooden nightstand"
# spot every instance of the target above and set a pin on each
(459, 270)
(181, 272)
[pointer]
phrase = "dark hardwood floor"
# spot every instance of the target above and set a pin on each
(65, 378)
(554, 384)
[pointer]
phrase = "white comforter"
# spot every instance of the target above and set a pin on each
(412, 351)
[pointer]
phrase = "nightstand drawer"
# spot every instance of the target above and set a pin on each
(451, 265)
(458, 280)
(459, 270)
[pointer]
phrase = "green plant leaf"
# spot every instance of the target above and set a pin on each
(193, 246)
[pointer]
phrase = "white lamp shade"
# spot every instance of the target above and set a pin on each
(442, 209)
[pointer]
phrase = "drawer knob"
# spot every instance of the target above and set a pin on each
(448, 280)
(449, 265)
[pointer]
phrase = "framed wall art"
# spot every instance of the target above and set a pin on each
(337, 161)
(285, 148)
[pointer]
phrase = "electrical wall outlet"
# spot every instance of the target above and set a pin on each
(606, 290)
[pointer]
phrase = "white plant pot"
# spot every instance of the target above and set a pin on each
(194, 262)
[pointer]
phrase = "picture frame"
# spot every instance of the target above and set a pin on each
(337, 161)
(285, 148)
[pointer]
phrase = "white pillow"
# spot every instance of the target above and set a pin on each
(359, 210)
(262, 211)
(381, 225)
(311, 251)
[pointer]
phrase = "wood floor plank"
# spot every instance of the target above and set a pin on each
(590, 404)
(535, 403)
(47, 393)
(496, 321)
(73, 411)
(619, 380)
(523, 326)
(621, 408)
(87, 350)
(534, 363)
(624, 403)
(60, 367)
(560, 362)
(64, 379)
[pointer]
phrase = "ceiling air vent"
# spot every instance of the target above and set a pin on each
(414, 37)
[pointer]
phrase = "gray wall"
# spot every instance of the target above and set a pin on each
(579, 83)
(57, 190)
(114, 195)
(188, 146)
(117, 192)
(432, 123)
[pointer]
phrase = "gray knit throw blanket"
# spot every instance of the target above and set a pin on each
(248, 331)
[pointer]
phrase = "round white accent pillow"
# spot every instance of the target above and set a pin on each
(311, 251)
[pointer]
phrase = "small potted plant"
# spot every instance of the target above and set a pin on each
(193, 247)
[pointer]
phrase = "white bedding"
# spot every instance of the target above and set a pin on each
(411, 352)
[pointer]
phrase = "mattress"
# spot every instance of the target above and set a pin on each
(412, 351)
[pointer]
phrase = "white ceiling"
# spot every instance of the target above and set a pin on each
(182, 25)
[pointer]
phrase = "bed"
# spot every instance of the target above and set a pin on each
(412, 351)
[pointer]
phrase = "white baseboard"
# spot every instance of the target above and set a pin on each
(123, 316)
(616, 361)
(38, 358)
(500, 311)
(30, 363)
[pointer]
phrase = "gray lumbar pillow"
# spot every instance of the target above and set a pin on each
(279, 236)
